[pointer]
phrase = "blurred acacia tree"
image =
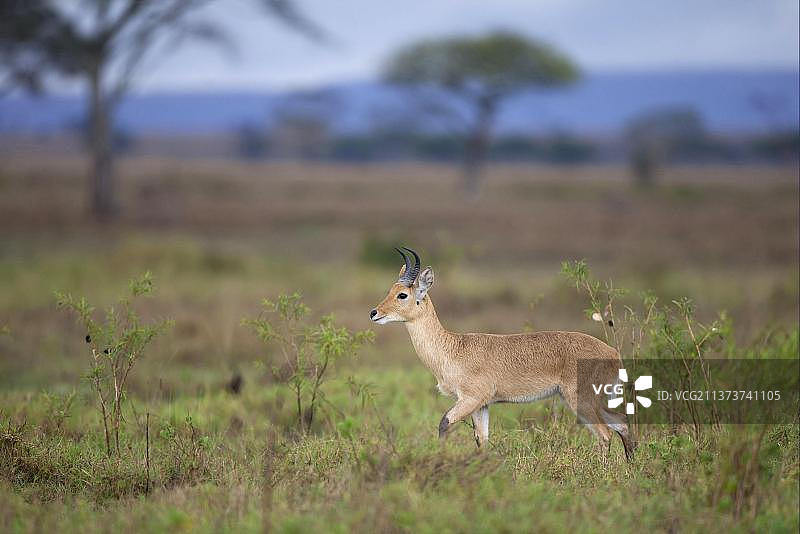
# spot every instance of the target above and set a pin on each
(482, 72)
(662, 135)
(104, 43)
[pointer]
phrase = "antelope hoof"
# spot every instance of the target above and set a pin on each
(444, 424)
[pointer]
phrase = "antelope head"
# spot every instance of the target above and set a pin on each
(406, 299)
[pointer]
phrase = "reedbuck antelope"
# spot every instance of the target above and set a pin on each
(483, 369)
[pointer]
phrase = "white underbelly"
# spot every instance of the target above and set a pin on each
(539, 395)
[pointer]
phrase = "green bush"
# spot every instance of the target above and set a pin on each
(116, 343)
(308, 350)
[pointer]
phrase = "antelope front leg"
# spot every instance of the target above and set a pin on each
(480, 420)
(462, 408)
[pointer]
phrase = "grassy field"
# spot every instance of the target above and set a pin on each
(219, 237)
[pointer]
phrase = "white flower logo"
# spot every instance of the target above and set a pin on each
(642, 383)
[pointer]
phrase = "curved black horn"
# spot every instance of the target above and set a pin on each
(411, 272)
(404, 278)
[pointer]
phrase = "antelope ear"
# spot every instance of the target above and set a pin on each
(423, 283)
(402, 270)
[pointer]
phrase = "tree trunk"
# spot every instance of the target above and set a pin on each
(477, 146)
(645, 161)
(101, 180)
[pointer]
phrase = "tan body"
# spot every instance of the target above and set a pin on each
(483, 369)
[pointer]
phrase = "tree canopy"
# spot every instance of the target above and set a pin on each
(498, 63)
(46, 37)
(105, 43)
(482, 71)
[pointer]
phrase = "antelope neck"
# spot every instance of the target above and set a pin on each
(432, 342)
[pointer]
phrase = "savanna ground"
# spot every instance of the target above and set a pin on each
(218, 237)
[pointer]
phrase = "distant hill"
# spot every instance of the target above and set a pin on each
(730, 102)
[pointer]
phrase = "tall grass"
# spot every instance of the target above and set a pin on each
(224, 461)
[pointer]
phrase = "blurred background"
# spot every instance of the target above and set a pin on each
(241, 148)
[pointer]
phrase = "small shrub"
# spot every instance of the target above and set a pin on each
(649, 329)
(116, 343)
(308, 351)
(663, 331)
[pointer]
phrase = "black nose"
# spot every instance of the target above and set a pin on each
(373, 313)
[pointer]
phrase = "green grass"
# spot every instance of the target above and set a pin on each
(540, 473)
(223, 462)
(226, 462)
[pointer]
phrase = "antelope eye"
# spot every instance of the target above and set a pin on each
(401, 296)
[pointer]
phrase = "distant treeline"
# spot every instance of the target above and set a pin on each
(651, 140)
(560, 148)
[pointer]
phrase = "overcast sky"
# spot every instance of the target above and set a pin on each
(601, 35)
